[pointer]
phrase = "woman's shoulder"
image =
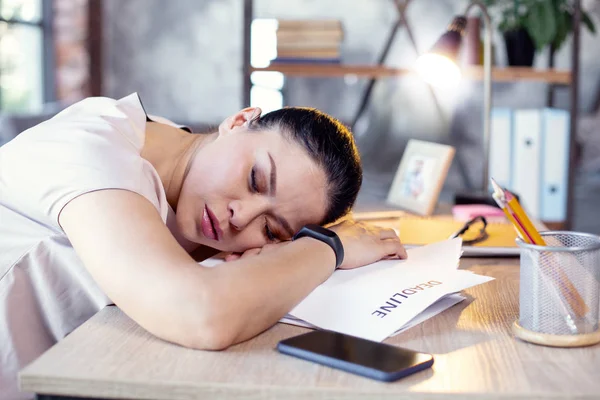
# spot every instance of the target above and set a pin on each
(123, 118)
(130, 106)
(93, 145)
(94, 129)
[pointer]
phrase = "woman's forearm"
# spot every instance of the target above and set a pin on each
(247, 296)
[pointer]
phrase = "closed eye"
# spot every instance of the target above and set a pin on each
(269, 233)
(253, 183)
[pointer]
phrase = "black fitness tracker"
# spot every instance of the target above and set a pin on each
(326, 236)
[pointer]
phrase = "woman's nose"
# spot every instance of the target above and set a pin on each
(242, 213)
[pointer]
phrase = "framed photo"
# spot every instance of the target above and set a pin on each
(420, 176)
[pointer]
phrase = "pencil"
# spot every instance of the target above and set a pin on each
(500, 198)
(521, 218)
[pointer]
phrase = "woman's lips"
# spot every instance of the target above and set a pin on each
(210, 225)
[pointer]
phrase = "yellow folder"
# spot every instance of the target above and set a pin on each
(416, 231)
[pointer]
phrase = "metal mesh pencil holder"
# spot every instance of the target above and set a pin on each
(560, 290)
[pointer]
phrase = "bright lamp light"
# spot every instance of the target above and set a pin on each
(438, 70)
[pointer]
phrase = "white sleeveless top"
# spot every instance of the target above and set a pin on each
(45, 291)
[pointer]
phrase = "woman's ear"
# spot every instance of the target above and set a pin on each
(241, 118)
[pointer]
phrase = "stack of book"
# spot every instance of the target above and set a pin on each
(309, 41)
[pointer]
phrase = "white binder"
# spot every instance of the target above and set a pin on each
(525, 180)
(500, 162)
(555, 160)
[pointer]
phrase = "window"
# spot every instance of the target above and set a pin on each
(25, 55)
(266, 85)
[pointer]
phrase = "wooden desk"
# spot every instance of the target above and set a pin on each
(475, 357)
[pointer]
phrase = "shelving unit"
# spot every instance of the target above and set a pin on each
(510, 74)
(373, 72)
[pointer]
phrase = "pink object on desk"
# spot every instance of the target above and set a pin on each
(464, 212)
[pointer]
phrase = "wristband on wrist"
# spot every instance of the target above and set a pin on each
(326, 236)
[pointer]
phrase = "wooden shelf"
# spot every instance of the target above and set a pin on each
(333, 70)
(508, 74)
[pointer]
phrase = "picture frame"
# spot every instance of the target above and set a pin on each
(420, 176)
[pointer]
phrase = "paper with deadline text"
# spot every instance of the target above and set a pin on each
(375, 301)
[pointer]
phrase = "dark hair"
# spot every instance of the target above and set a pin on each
(330, 144)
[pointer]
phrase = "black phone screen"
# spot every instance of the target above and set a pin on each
(353, 350)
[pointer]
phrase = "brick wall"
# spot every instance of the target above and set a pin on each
(72, 58)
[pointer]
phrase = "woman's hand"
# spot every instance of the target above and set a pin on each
(364, 243)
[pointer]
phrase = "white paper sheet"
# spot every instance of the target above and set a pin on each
(441, 305)
(375, 301)
(436, 308)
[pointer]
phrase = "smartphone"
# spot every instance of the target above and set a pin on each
(363, 357)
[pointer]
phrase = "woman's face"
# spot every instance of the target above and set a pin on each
(247, 188)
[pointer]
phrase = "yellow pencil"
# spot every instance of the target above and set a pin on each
(500, 196)
(517, 227)
(531, 233)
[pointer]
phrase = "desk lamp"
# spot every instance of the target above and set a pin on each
(439, 68)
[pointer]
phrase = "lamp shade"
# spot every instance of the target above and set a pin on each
(448, 45)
